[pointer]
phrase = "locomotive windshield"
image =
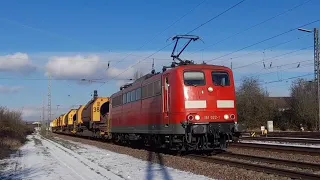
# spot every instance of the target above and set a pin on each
(194, 78)
(220, 79)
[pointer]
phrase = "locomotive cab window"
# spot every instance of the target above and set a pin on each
(220, 79)
(194, 78)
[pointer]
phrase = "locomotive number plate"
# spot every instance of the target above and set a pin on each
(212, 117)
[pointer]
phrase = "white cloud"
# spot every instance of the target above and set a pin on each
(95, 65)
(90, 67)
(73, 67)
(18, 62)
(7, 89)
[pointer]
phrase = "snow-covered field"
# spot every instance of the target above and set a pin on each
(41, 158)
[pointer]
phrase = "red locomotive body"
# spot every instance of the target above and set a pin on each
(188, 107)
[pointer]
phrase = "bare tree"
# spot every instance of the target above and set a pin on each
(254, 108)
(304, 103)
(13, 130)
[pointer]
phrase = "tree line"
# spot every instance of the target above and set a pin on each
(13, 131)
(255, 107)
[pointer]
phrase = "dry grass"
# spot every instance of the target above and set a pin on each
(13, 131)
(10, 143)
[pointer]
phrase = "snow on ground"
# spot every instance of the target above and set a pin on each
(281, 143)
(41, 158)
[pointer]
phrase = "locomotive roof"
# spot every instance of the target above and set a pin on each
(149, 75)
(210, 65)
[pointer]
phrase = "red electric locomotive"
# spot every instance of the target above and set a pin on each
(187, 107)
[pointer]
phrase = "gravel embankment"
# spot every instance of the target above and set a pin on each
(215, 171)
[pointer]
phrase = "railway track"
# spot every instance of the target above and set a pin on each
(289, 134)
(279, 148)
(262, 168)
(305, 165)
(284, 139)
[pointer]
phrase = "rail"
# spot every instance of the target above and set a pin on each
(257, 167)
(306, 165)
(284, 139)
(279, 148)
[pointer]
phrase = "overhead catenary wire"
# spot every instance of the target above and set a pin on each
(267, 39)
(267, 84)
(281, 80)
(256, 25)
(272, 72)
(278, 66)
(175, 22)
(272, 58)
(225, 11)
(293, 77)
(268, 48)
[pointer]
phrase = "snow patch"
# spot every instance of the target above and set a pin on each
(41, 158)
(130, 167)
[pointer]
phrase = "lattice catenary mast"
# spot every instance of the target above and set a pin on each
(49, 101)
(43, 111)
(316, 68)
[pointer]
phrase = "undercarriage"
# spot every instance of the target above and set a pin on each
(198, 137)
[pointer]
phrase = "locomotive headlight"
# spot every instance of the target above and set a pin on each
(210, 89)
(197, 117)
(226, 116)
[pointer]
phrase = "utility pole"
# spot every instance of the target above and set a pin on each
(316, 65)
(316, 68)
(42, 121)
(49, 102)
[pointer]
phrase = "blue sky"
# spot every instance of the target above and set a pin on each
(75, 39)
